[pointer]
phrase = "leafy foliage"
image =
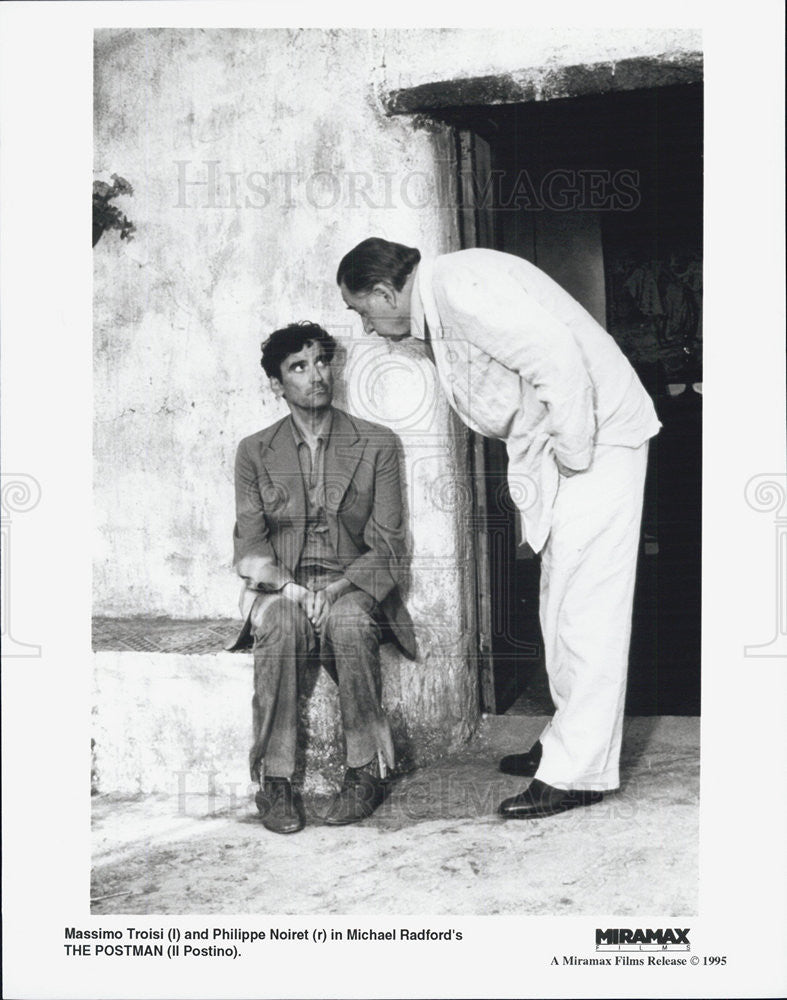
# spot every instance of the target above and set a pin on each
(106, 216)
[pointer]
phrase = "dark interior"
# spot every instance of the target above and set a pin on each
(620, 228)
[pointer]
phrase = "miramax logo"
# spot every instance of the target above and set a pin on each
(628, 939)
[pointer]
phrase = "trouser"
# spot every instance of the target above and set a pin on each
(284, 643)
(588, 571)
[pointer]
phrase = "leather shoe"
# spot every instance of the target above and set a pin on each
(361, 793)
(523, 764)
(281, 808)
(540, 800)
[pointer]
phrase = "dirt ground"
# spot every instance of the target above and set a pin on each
(435, 846)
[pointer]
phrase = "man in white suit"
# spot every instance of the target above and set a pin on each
(520, 360)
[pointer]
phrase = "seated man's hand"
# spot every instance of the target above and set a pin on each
(299, 595)
(254, 569)
(323, 599)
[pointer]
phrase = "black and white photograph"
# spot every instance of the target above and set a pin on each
(398, 569)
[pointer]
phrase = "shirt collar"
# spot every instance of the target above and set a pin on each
(324, 437)
(417, 306)
(423, 310)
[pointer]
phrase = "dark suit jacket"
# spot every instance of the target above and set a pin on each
(363, 511)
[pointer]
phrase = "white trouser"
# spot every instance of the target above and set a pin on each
(588, 570)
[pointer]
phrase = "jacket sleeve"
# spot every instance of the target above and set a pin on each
(251, 536)
(379, 570)
(496, 314)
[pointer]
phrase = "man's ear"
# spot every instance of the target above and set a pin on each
(387, 291)
(278, 388)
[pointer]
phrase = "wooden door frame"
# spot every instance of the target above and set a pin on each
(476, 229)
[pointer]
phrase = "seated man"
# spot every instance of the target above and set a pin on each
(318, 541)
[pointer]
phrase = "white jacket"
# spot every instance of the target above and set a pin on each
(519, 359)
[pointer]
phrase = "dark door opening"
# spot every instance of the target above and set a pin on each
(604, 193)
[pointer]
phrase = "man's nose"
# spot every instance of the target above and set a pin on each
(368, 326)
(317, 376)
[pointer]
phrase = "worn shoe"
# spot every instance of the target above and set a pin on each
(281, 808)
(540, 800)
(523, 764)
(361, 793)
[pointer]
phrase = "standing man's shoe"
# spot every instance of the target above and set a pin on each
(524, 765)
(361, 793)
(540, 800)
(281, 808)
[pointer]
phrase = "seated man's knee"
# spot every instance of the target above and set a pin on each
(350, 618)
(275, 618)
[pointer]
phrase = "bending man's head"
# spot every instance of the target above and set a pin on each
(376, 280)
(376, 260)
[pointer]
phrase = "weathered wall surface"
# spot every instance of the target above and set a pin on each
(258, 158)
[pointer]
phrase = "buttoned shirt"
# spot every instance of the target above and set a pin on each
(520, 360)
(318, 549)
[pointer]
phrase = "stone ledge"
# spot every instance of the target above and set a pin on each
(164, 718)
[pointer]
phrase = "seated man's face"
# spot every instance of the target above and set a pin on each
(306, 381)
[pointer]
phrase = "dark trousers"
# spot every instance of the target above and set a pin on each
(349, 649)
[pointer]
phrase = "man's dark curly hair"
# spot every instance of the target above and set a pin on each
(291, 339)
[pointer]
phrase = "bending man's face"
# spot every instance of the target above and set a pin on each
(306, 381)
(383, 311)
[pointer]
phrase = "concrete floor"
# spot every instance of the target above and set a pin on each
(435, 846)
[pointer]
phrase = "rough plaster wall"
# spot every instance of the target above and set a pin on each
(181, 309)
(416, 57)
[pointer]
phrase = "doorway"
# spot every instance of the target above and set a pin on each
(603, 193)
